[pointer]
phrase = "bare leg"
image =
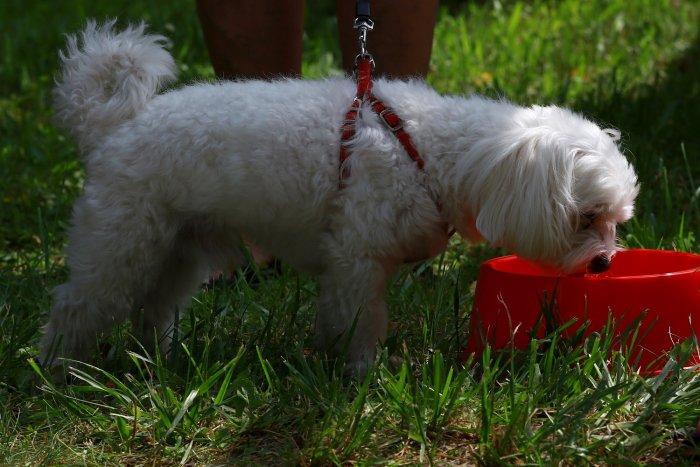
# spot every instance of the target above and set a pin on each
(401, 41)
(253, 39)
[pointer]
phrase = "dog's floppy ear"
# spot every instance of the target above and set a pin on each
(526, 202)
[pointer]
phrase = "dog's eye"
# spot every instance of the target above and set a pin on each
(587, 219)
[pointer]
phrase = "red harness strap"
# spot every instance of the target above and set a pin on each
(393, 121)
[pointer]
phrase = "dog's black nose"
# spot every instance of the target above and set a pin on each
(600, 263)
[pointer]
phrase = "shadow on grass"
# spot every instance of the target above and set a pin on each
(659, 123)
(660, 114)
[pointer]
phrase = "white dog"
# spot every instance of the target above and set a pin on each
(175, 180)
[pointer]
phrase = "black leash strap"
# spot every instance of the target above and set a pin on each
(362, 11)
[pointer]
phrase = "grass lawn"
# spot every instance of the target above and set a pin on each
(243, 386)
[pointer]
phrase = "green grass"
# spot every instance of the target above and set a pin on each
(243, 386)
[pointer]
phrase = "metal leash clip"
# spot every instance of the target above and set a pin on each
(363, 23)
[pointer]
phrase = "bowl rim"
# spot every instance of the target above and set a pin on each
(595, 277)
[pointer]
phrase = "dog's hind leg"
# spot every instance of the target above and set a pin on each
(197, 251)
(115, 248)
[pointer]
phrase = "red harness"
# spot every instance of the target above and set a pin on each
(392, 121)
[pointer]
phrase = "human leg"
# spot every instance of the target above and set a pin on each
(253, 39)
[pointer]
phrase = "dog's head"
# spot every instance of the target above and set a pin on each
(556, 189)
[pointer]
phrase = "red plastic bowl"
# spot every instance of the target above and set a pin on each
(665, 285)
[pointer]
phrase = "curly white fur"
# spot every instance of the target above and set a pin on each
(173, 180)
(107, 77)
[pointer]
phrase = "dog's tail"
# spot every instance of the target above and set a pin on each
(107, 77)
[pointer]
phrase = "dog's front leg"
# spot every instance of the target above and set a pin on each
(352, 317)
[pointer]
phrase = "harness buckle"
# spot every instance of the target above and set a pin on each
(394, 128)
